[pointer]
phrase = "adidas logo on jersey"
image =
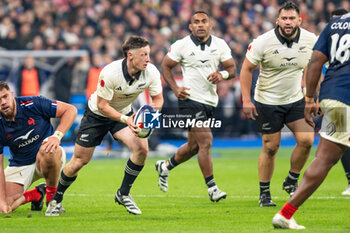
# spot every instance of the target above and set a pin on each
(192, 54)
(275, 52)
(119, 88)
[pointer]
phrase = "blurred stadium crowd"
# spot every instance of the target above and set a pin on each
(101, 26)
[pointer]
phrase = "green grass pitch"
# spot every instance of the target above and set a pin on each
(186, 206)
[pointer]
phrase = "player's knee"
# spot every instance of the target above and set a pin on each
(309, 175)
(206, 146)
(141, 151)
(193, 149)
(306, 142)
(47, 156)
(205, 143)
(78, 163)
(271, 149)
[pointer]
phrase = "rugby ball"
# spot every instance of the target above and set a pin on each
(139, 120)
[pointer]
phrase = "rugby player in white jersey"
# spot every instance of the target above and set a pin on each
(199, 55)
(282, 53)
(109, 110)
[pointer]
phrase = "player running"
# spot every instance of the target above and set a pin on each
(109, 110)
(332, 46)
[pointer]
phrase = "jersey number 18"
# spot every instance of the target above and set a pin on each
(341, 53)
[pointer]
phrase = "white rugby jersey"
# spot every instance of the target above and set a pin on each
(197, 61)
(116, 85)
(282, 65)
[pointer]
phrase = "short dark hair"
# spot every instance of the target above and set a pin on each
(289, 5)
(339, 12)
(200, 12)
(4, 85)
(134, 42)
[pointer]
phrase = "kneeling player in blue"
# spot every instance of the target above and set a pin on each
(34, 145)
(109, 110)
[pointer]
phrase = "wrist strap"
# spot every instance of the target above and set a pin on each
(224, 74)
(58, 135)
(309, 99)
(123, 118)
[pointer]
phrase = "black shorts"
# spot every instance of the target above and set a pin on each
(196, 110)
(271, 118)
(94, 127)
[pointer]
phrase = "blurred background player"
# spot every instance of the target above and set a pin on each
(29, 78)
(109, 110)
(332, 46)
(199, 55)
(283, 54)
(35, 148)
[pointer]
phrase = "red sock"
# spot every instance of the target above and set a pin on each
(32, 195)
(288, 210)
(50, 192)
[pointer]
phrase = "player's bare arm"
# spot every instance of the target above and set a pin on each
(303, 84)
(167, 65)
(246, 83)
(108, 111)
(67, 114)
(4, 207)
(228, 73)
(157, 101)
(312, 78)
(317, 91)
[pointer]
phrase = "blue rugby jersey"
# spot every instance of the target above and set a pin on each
(334, 42)
(31, 126)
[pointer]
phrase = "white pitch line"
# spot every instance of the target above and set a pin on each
(197, 196)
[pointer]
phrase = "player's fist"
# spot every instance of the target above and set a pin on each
(249, 110)
(215, 77)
